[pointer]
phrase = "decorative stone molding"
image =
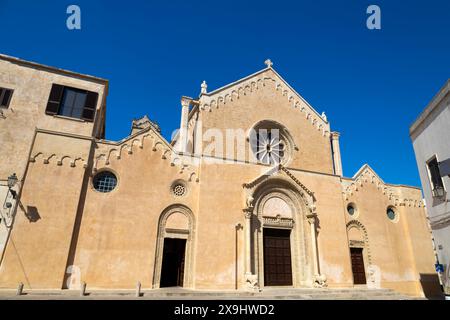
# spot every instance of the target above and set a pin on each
(367, 175)
(294, 218)
(59, 160)
(248, 214)
(251, 281)
(358, 225)
(143, 123)
(312, 218)
(188, 234)
(357, 244)
(147, 138)
(283, 174)
(320, 281)
(251, 84)
(441, 222)
(278, 222)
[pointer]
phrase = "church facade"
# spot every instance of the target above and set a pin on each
(249, 194)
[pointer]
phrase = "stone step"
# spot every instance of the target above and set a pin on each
(179, 293)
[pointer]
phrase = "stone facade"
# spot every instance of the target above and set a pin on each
(218, 199)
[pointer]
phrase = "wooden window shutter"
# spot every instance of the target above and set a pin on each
(54, 100)
(90, 105)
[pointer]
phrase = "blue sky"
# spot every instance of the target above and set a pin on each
(371, 83)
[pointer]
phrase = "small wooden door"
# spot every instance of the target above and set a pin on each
(277, 257)
(359, 273)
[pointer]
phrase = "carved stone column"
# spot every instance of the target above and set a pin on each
(185, 102)
(248, 235)
(312, 223)
(336, 153)
(319, 280)
(251, 280)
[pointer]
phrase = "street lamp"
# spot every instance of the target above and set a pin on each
(12, 180)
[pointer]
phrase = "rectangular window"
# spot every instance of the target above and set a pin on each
(437, 184)
(5, 97)
(72, 103)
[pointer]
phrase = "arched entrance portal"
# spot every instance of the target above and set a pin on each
(281, 241)
(174, 248)
(360, 257)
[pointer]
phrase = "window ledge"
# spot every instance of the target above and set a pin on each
(69, 118)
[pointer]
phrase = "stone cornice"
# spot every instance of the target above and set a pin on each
(367, 175)
(440, 221)
(108, 150)
(252, 83)
(430, 108)
(53, 69)
(151, 138)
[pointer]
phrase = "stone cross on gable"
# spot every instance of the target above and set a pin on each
(268, 63)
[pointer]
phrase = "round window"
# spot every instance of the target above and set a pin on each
(270, 143)
(391, 214)
(105, 182)
(351, 209)
(178, 189)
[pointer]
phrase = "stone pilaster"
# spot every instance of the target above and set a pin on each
(336, 153)
(185, 103)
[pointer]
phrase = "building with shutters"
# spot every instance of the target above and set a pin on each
(430, 134)
(249, 195)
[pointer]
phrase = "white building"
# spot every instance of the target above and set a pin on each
(430, 134)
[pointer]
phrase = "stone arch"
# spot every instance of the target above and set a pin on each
(177, 222)
(355, 224)
(293, 215)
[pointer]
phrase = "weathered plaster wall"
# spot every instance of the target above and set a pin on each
(117, 238)
(26, 111)
(36, 253)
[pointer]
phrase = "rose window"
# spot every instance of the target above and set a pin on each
(270, 147)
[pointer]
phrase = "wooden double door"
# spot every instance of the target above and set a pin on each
(277, 257)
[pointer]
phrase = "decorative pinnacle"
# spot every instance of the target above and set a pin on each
(204, 87)
(268, 63)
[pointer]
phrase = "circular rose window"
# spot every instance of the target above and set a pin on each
(270, 143)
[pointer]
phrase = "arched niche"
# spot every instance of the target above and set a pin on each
(176, 222)
(358, 238)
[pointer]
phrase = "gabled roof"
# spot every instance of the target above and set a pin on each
(363, 170)
(237, 86)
